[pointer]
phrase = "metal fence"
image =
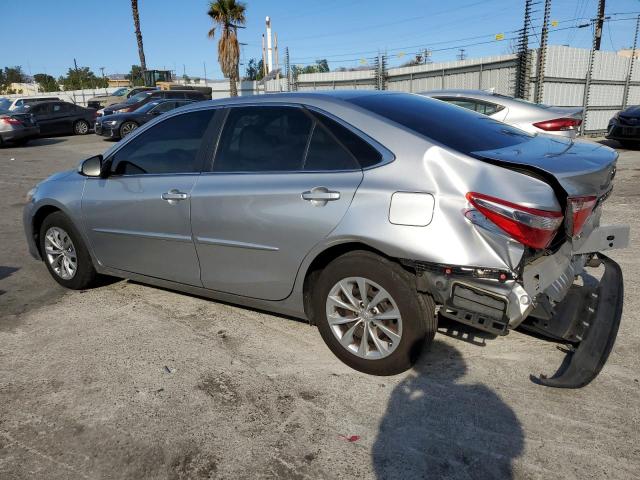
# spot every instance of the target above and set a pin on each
(565, 78)
(79, 97)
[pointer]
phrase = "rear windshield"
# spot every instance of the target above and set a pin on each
(454, 127)
(138, 97)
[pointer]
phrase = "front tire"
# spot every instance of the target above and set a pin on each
(81, 127)
(126, 128)
(370, 314)
(65, 254)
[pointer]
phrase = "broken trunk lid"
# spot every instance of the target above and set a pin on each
(580, 167)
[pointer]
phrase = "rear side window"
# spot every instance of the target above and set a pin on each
(263, 139)
(171, 146)
(486, 108)
(457, 128)
(325, 153)
(365, 154)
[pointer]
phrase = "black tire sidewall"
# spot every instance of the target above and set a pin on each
(85, 274)
(417, 310)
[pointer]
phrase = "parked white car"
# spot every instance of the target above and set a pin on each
(13, 103)
(528, 116)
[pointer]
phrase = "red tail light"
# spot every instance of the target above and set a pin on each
(578, 210)
(529, 226)
(11, 121)
(559, 124)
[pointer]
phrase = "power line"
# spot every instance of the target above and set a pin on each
(453, 47)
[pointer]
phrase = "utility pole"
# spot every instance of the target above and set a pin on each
(632, 60)
(542, 53)
(462, 55)
(287, 68)
(599, 24)
(264, 58)
(105, 87)
(75, 65)
(204, 64)
(522, 68)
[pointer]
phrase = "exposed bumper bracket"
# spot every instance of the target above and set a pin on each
(584, 362)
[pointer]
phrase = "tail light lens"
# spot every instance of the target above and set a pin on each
(559, 124)
(578, 211)
(529, 226)
(11, 121)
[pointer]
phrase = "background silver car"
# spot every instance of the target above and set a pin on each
(17, 130)
(528, 116)
(359, 211)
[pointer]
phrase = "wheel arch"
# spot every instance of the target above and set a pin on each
(322, 259)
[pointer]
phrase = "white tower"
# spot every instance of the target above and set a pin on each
(269, 50)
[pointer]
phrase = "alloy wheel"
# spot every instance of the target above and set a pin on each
(61, 253)
(82, 128)
(127, 128)
(364, 318)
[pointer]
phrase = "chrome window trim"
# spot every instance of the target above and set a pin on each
(386, 154)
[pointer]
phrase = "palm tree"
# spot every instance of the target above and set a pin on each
(228, 15)
(136, 24)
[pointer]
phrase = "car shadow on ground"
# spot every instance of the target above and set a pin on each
(41, 142)
(6, 272)
(436, 427)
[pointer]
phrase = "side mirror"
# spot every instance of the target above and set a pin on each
(91, 167)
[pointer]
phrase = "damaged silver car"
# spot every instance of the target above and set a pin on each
(371, 214)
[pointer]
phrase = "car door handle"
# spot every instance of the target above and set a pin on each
(321, 194)
(174, 195)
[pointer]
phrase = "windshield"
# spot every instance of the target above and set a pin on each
(22, 109)
(5, 103)
(120, 92)
(147, 106)
(457, 128)
(138, 97)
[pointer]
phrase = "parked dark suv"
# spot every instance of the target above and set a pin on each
(142, 98)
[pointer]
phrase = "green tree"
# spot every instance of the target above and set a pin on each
(321, 66)
(136, 24)
(82, 78)
(135, 76)
(255, 70)
(10, 75)
(46, 82)
(228, 15)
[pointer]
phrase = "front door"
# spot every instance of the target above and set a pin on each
(280, 183)
(138, 218)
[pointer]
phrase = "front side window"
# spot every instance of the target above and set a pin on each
(171, 146)
(263, 139)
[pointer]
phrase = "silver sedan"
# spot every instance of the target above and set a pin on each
(365, 213)
(528, 116)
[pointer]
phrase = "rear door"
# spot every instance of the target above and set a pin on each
(61, 117)
(280, 182)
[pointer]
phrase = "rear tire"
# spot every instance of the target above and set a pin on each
(398, 326)
(81, 127)
(65, 254)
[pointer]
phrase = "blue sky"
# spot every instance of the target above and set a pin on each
(45, 35)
